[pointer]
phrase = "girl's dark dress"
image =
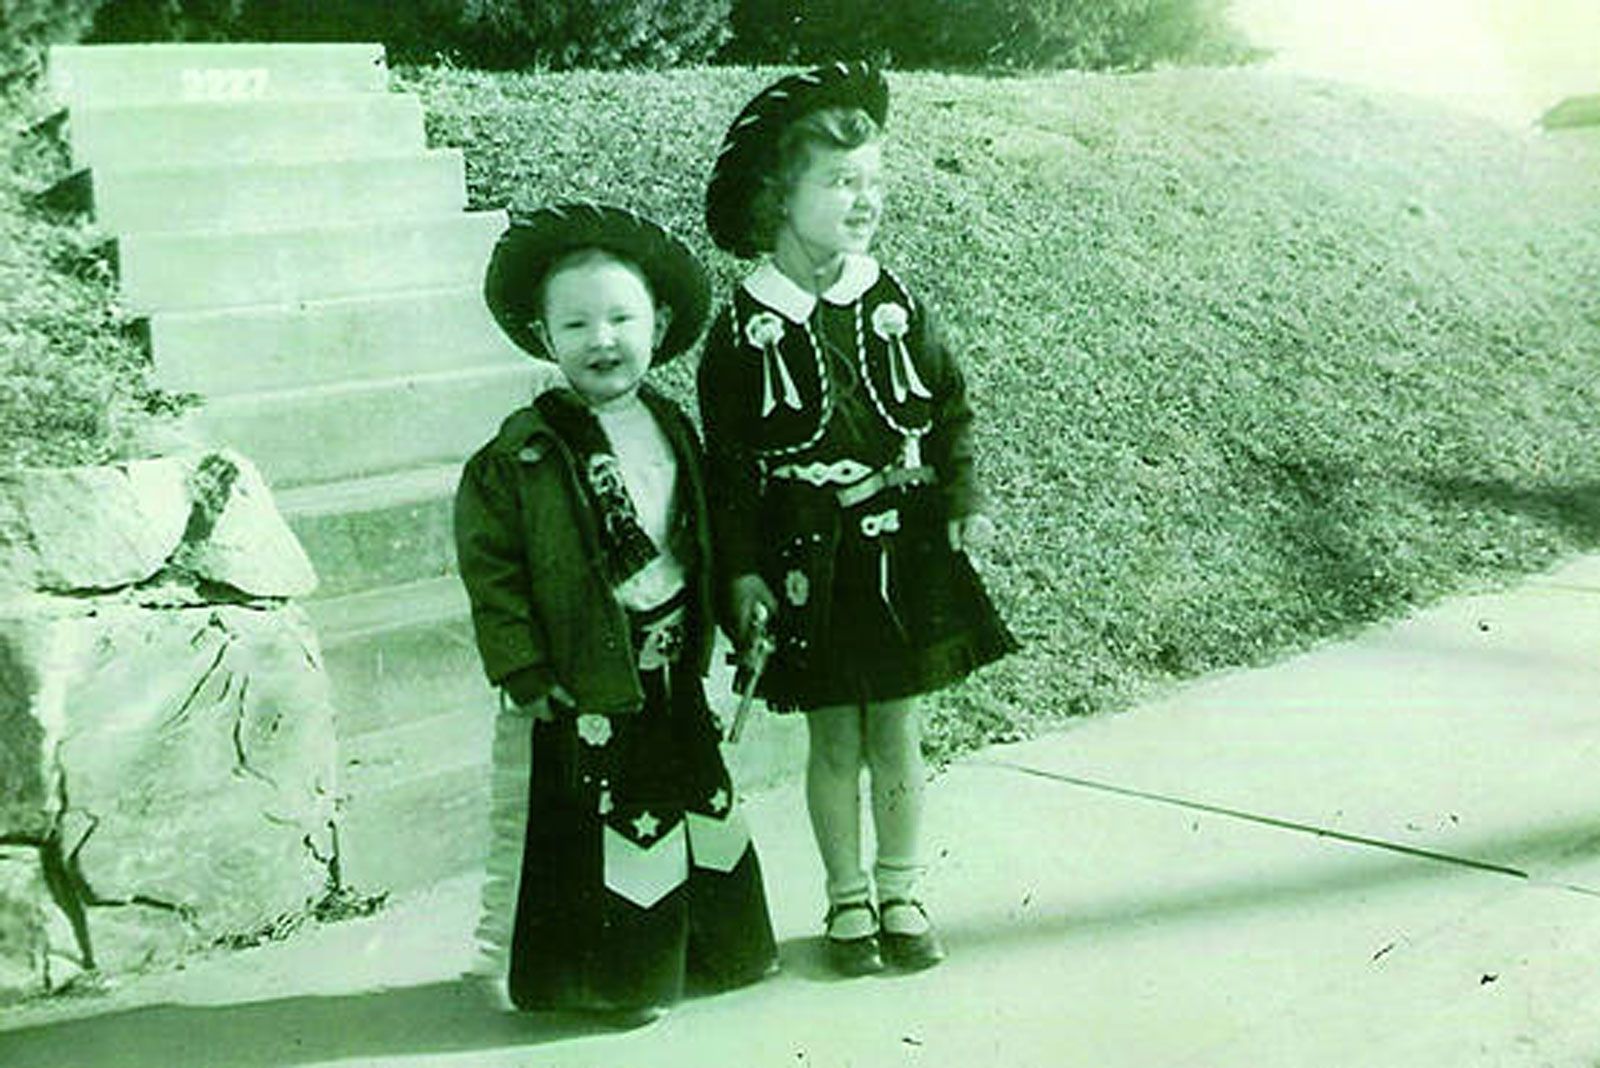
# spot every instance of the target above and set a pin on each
(839, 442)
(618, 846)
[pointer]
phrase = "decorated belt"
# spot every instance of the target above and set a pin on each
(660, 639)
(856, 481)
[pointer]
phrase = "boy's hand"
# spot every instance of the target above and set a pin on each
(540, 709)
(970, 532)
(748, 592)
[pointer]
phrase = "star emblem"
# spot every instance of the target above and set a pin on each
(645, 825)
(719, 801)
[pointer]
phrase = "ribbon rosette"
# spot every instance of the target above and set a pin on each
(764, 331)
(890, 322)
(797, 588)
(594, 728)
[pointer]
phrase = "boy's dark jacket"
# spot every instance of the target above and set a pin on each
(528, 548)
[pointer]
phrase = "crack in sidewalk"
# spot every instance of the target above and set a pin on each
(1294, 826)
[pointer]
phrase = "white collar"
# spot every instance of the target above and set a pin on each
(781, 293)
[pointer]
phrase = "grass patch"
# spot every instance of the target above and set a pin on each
(1257, 359)
(336, 906)
(74, 381)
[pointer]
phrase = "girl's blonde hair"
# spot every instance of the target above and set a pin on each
(838, 128)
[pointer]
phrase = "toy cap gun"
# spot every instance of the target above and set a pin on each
(751, 661)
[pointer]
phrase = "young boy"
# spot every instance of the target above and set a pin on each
(582, 539)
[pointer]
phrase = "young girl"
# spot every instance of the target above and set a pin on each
(842, 487)
(583, 541)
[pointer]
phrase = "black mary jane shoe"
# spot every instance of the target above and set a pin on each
(909, 952)
(853, 956)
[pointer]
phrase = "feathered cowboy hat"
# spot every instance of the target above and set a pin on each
(534, 241)
(750, 148)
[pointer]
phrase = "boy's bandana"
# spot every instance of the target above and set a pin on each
(625, 548)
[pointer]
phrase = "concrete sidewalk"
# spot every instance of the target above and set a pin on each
(1385, 852)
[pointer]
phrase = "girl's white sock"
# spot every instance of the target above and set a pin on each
(851, 923)
(900, 880)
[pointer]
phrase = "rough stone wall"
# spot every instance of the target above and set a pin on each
(167, 751)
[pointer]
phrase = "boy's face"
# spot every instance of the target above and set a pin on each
(602, 326)
(837, 200)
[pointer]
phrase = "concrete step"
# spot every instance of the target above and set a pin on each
(332, 432)
(415, 832)
(415, 798)
(238, 350)
(412, 648)
(377, 761)
(144, 73)
(400, 654)
(413, 713)
(380, 531)
(245, 196)
(186, 272)
(249, 131)
(414, 719)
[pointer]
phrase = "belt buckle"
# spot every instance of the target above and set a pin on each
(880, 523)
(661, 642)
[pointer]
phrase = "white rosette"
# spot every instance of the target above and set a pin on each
(764, 331)
(594, 729)
(891, 322)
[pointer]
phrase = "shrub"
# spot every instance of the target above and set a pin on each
(26, 26)
(808, 31)
(499, 33)
(74, 382)
(166, 20)
(1084, 34)
(597, 33)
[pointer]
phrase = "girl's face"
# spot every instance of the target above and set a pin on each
(602, 326)
(836, 202)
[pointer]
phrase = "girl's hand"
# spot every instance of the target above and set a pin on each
(970, 532)
(749, 591)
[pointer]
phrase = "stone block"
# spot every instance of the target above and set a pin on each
(180, 762)
(90, 528)
(24, 906)
(236, 536)
(83, 530)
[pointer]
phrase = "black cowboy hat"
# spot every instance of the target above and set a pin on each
(535, 240)
(750, 148)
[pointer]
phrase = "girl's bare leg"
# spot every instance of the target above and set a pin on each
(899, 775)
(833, 798)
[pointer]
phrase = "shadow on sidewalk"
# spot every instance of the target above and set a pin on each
(1558, 857)
(437, 1018)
